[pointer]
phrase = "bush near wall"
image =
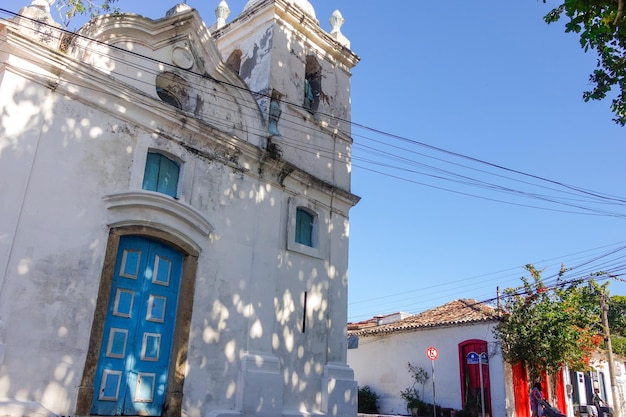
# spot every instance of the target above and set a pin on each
(367, 400)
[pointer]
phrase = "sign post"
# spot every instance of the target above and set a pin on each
(474, 358)
(432, 354)
(483, 359)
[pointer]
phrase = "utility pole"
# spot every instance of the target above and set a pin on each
(498, 297)
(609, 348)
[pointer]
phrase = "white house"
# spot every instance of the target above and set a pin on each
(580, 386)
(456, 335)
(466, 368)
(174, 214)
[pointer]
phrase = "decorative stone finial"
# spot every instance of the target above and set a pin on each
(36, 22)
(222, 11)
(44, 3)
(303, 5)
(179, 8)
(336, 21)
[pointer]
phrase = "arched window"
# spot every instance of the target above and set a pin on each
(234, 60)
(312, 84)
(172, 89)
(161, 174)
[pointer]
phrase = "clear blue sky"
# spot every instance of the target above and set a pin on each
(442, 87)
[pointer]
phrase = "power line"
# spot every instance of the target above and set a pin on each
(607, 259)
(569, 196)
(447, 176)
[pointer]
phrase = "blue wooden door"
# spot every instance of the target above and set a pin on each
(131, 377)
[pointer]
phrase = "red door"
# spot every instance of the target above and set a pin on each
(475, 386)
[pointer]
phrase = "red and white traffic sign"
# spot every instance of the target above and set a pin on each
(432, 353)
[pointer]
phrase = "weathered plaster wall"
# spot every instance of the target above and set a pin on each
(273, 62)
(62, 160)
(74, 144)
(245, 282)
(181, 45)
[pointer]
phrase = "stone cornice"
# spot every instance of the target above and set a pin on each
(162, 204)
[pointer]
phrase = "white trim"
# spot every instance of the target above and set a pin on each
(138, 385)
(116, 311)
(123, 273)
(144, 346)
(110, 353)
(155, 272)
(149, 316)
(142, 200)
(105, 375)
(150, 142)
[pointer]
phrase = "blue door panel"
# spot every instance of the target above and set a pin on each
(131, 376)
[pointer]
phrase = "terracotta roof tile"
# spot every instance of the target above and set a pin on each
(462, 311)
(377, 320)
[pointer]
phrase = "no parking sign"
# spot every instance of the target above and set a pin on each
(432, 353)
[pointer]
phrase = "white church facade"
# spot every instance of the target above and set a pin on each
(174, 214)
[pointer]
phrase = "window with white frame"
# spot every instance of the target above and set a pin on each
(305, 232)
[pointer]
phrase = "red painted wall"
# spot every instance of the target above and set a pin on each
(520, 390)
(560, 393)
(521, 387)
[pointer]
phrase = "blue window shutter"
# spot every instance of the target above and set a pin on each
(304, 227)
(151, 173)
(168, 177)
(172, 178)
(161, 174)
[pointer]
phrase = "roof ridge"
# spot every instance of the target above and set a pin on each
(457, 312)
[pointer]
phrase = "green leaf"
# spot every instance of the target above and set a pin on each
(548, 328)
(599, 28)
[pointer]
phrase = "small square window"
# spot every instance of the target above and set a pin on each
(161, 174)
(306, 233)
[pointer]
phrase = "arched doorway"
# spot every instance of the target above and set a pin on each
(475, 385)
(139, 337)
(133, 364)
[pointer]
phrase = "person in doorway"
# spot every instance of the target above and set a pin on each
(536, 397)
(598, 402)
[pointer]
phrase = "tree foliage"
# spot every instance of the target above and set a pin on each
(68, 9)
(602, 27)
(548, 328)
(618, 343)
(617, 315)
(617, 323)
